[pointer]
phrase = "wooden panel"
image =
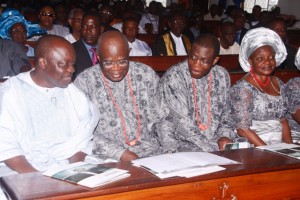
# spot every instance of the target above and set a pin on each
(148, 38)
(274, 185)
(260, 173)
(159, 63)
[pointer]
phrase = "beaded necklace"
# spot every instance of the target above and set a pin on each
(279, 92)
(263, 84)
(133, 142)
(202, 127)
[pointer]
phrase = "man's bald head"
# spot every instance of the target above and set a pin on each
(113, 53)
(112, 40)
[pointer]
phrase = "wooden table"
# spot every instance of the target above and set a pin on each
(262, 175)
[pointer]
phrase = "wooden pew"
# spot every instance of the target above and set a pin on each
(230, 62)
(160, 64)
(148, 38)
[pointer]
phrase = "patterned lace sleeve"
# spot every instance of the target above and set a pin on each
(241, 105)
(292, 92)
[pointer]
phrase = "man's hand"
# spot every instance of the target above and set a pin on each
(223, 141)
(128, 156)
(20, 165)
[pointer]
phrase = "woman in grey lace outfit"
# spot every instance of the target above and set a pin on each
(256, 102)
(292, 91)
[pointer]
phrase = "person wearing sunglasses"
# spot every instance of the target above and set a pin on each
(46, 21)
(125, 93)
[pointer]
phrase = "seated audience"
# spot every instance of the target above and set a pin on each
(228, 45)
(212, 14)
(278, 25)
(125, 93)
(74, 20)
(194, 93)
(292, 92)
(61, 15)
(46, 21)
(136, 46)
(196, 27)
(106, 17)
(150, 20)
(45, 121)
(86, 47)
(173, 42)
(16, 28)
(129, 14)
(13, 58)
(254, 17)
(240, 30)
(257, 105)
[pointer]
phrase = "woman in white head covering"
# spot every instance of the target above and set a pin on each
(292, 92)
(256, 104)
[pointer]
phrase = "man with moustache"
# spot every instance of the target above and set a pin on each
(125, 93)
(45, 121)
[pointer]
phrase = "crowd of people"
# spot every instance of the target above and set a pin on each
(84, 100)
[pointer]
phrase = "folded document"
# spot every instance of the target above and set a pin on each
(184, 164)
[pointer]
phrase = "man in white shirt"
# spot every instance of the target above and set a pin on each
(212, 15)
(136, 46)
(228, 45)
(45, 121)
(150, 20)
(74, 20)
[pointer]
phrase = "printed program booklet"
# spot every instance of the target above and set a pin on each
(183, 164)
(291, 150)
(88, 175)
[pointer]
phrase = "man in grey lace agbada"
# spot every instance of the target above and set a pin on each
(125, 93)
(194, 93)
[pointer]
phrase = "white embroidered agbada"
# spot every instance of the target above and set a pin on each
(47, 126)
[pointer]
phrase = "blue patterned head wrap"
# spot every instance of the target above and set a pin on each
(12, 16)
(297, 59)
(256, 38)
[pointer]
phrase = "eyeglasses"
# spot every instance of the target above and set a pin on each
(181, 22)
(16, 31)
(76, 19)
(105, 13)
(47, 14)
(194, 58)
(110, 64)
(91, 27)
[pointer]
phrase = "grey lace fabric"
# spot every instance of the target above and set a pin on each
(246, 103)
(292, 92)
(259, 37)
(179, 130)
(108, 136)
(297, 59)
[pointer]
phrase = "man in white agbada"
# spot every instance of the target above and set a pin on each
(45, 121)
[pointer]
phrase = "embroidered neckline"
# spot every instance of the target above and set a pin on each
(132, 142)
(203, 127)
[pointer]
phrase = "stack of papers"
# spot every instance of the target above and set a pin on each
(291, 150)
(183, 164)
(88, 175)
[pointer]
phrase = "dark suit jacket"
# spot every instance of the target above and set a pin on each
(243, 32)
(83, 59)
